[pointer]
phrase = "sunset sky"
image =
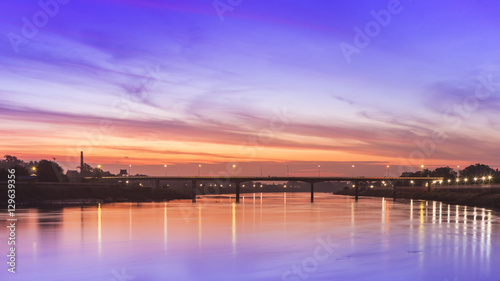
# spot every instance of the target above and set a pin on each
(148, 83)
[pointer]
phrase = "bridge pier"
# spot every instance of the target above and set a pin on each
(312, 192)
(193, 189)
(356, 190)
(157, 184)
(237, 192)
(394, 192)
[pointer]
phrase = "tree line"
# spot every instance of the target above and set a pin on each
(470, 172)
(44, 170)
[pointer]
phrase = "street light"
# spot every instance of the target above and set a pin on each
(319, 170)
(412, 182)
(234, 170)
(130, 169)
(166, 170)
(465, 180)
(199, 167)
(353, 171)
(489, 179)
(388, 170)
(422, 167)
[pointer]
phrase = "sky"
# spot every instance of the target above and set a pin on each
(258, 83)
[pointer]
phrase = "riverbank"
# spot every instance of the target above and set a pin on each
(475, 198)
(71, 194)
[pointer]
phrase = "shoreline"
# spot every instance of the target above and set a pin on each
(472, 198)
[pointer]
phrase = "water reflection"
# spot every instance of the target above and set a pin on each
(259, 239)
(99, 231)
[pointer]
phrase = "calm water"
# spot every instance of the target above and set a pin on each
(274, 237)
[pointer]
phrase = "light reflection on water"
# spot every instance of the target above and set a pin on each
(267, 237)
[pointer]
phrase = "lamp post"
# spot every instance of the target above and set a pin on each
(353, 171)
(319, 170)
(130, 166)
(388, 170)
(199, 168)
(489, 179)
(166, 170)
(234, 170)
(422, 167)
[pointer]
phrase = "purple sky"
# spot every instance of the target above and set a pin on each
(182, 83)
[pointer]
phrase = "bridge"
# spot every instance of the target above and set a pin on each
(238, 180)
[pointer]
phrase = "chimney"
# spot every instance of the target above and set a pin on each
(81, 162)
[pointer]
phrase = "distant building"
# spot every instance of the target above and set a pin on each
(123, 173)
(73, 176)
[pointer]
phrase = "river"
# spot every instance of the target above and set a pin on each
(278, 236)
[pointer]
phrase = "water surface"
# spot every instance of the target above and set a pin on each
(265, 237)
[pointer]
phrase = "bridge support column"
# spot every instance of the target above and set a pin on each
(193, 189)
(312, 192)
(237, 192)
(394, 192)
(428, 186)
(356, 190)
(157, 182)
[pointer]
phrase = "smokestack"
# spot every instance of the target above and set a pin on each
(81, 162)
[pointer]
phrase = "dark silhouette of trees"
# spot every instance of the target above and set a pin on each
(86, 170)
(478, 170)
(49, 171)
(445, 172)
